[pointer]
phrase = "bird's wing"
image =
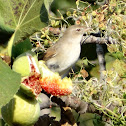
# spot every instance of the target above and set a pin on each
(50, 53)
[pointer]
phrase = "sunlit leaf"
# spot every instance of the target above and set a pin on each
(23, 16)
(9, 83)
(47, 4)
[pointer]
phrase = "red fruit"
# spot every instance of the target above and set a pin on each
(30, 85)
(56, 86)
(52, 83)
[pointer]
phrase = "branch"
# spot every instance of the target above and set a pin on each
(67, 103)
(73, 102)
(92, 38)
(82, 107)
(98, 40)
(101, 60)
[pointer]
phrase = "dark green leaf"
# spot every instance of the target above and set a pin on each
(21, 48)
(9, 83)
(2, 123)
(5, 31)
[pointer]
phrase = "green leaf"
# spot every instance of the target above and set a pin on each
(120, 67)
(5, 31)
(9, 83)
(47, 4)
(2, 123)
(118, 55)
(20, 48)
(24, 16)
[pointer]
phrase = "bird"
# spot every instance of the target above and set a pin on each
(61, 56)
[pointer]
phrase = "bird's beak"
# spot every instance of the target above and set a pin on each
(84, 38)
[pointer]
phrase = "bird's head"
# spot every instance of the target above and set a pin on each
(76, 32)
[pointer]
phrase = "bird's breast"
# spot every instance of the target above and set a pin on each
(70, 57)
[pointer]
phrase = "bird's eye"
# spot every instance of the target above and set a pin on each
(78, 29)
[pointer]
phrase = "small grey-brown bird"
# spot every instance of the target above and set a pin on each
(65, 52)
